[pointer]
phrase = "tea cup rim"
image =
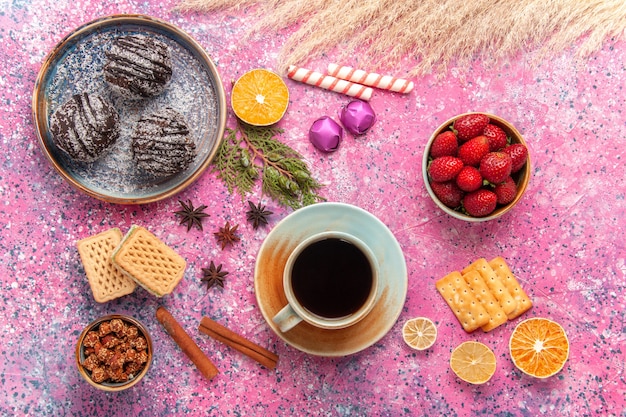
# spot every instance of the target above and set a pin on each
(325, 322)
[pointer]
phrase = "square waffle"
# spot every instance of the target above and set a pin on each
(149, 262)
(106, 281)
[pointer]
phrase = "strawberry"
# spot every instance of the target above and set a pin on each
(506, 191)
(472, 151)
(469, 179)
(448, 193)
(518, 154)
(444, 168)
(495, 167)
(470, 125)
(444, 144)
(480, 203)
(497, 137)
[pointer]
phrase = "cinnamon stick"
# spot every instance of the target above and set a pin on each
(237, 342)
(187, 345)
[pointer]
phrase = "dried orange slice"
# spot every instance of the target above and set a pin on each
(539, 347)
(473, 362)
(420, 333)
(260, 97)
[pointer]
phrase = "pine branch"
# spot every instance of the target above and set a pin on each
(248, 153)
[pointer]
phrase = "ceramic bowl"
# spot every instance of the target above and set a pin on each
(521, 177)
(82, 352)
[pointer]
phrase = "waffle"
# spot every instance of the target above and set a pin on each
(149, 262)
(106, 281)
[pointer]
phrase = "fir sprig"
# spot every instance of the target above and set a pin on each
(248, 153)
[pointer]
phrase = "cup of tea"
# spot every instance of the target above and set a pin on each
(330, 281)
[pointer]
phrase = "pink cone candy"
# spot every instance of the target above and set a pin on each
(325, 134)
(357, 117)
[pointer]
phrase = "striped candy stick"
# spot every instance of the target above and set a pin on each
(329, 83)
(384, 82)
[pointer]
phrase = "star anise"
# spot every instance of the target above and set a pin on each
(190, 215)
(257, 214)
(214, 275)
(226, 236)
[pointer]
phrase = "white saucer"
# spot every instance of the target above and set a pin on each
(310, 220)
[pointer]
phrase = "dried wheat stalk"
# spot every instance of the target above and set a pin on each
(433, 33)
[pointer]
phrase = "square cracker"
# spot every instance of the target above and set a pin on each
(149, 262)
(501, 268)
(479, 287)
(467, 309)
(495, 284)
(106, 281)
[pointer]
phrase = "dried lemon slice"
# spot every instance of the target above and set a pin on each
(539, 347)
(420, 333)
(473, 362)
(260, 97)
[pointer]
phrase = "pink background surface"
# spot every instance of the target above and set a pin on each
(564, 241)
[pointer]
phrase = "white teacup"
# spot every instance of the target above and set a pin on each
(330, 281)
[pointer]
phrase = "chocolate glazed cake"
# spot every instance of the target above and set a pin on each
(85, 126)
(162, 143)
(138, 66)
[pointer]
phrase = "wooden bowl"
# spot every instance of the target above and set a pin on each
(108, 385)
(521, 177)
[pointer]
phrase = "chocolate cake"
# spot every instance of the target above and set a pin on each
(138, 66)
(85, 126)
(162, 144)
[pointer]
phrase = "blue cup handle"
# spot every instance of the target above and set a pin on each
(286, 319)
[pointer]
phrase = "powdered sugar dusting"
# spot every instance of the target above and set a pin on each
(191, 92)
(161, 143)
(138, 66)
(85, 126)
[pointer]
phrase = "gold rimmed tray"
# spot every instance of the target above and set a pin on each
(195, 90)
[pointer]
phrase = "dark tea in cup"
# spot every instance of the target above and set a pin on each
(330, 281)
(332, 278)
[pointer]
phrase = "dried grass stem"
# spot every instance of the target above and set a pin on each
(433, 33)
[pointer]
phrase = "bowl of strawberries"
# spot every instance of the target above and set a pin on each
(476, 166)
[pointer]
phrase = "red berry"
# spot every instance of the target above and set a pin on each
(448, 193)
(469, 179)
(518, 154)
(444, 144)
(480, 203)
(470, 126)
(495, 167)
(506, 191)
(497, 137)
(472, 151)
(444, 168)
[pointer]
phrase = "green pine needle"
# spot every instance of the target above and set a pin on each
(249, 153)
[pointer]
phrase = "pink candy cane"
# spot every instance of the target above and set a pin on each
(329, 83)
(384, 82)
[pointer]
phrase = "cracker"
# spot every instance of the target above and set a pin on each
(149, 262)
(106, 281)
(467, 309)
(495, 284)
(479, 287)
(501, 268)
